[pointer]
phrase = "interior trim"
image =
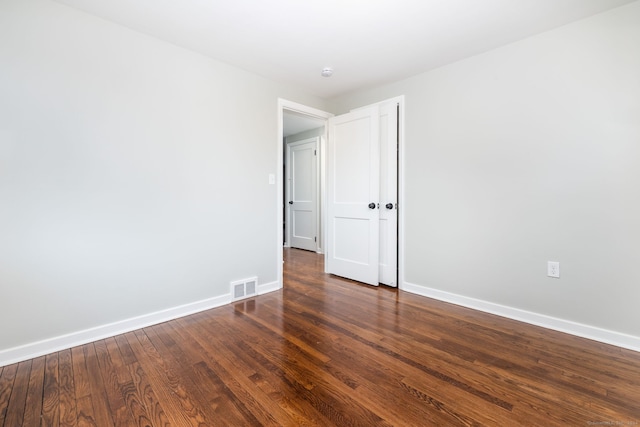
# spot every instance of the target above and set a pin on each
(578, 329)
(63, 342)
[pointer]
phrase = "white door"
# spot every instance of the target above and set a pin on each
(302, 190)
(353, 191)
(389, 194)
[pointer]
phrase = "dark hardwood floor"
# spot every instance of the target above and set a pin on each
(326, 351)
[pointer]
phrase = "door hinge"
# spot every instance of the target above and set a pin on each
(315, 239)
(315, 152)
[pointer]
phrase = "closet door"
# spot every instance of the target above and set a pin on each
(353, 191)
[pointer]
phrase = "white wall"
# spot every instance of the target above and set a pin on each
(133, 174)
(304, 135)
(525, 154)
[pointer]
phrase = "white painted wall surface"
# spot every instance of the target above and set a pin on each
(133, 174)
(526, 154)
(304, 135)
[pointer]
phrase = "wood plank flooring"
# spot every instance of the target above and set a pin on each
(327, 351)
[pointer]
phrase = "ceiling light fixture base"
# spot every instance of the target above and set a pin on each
(327, 72)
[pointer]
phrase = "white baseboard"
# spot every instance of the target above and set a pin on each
(51, 345)
(269, 287)
(40, 348)
(63, 342)
(585, 331)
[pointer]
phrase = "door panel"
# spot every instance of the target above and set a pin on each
(353, 182)
(349, 232)
(389, 194)
(303, 194)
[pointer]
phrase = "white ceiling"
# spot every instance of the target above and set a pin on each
(367, 42)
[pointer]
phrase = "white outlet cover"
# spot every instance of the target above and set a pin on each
(553, 269)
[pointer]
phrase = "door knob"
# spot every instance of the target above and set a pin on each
(290, 202)
(372, 205)
(389, 206)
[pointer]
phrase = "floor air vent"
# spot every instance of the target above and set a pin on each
(244, 288)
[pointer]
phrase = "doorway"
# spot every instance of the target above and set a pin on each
(297, 121)
(390, 277)
(303, 140)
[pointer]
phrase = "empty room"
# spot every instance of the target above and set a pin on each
(278, 212)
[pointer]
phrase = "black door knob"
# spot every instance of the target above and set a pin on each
(389, 206)
(372, 205)
(290, 202)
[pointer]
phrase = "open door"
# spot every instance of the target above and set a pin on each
(353, 191)
(360, 187)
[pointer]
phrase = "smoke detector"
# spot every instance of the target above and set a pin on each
(327, 72)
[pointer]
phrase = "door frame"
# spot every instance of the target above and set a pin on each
(283, 105)
(316, 190)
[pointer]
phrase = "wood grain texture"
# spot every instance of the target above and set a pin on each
(35, 386)
(328, 351)
(82, 382)
(68, 414)
(7, 379)
(51, 392)
(15, 413)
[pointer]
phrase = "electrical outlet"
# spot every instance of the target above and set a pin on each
(553, 269)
